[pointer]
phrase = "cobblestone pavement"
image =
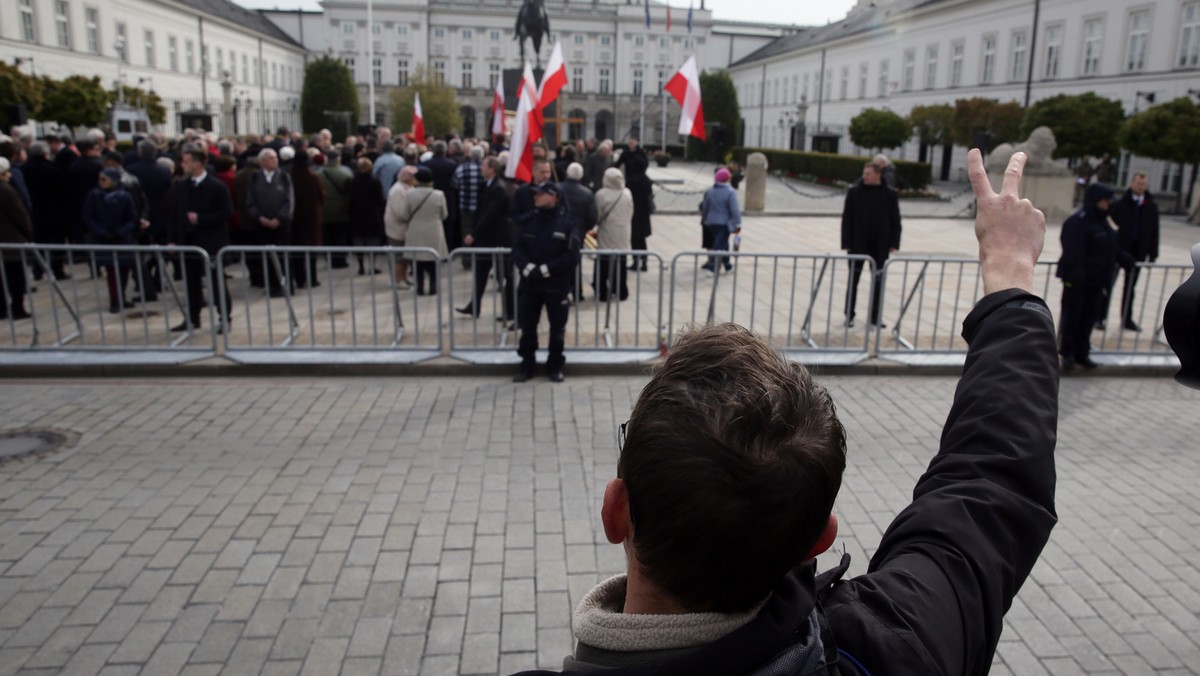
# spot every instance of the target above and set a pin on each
(449, 525)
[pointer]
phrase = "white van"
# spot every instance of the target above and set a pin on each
(128, 122)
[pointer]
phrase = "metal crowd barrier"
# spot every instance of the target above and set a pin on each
(928, 297)
(73, 319)
(612, 330)
(280, 315)
(797, 300)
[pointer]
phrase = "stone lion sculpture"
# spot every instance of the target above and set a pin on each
(1039, 147)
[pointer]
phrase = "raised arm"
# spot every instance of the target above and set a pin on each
(948, 567)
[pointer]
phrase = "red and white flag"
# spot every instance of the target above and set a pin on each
(418, 119)
(685, 88)
(498, 108)
(554, 79)
(528, 85)
(520, 145)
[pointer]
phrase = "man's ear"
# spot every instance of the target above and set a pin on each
(614, 514)
(826, 540)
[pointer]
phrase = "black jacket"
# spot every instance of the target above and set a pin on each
(48, 188)
(547, 237)
(871, 221)
(947, 569)
(1089, 246)
(582, 203)
(155, 182)
(493, 225)
(214, 208)
(1137, 226)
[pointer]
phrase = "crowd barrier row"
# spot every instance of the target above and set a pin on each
(132, 304)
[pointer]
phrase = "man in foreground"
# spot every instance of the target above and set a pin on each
(731, 462)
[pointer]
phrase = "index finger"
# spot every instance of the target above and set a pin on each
(978, 175)
(1012, 175)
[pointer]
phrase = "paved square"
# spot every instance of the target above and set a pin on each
(449, 525)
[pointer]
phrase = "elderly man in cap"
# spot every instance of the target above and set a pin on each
(545, 252)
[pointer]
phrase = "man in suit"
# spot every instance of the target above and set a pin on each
(200, 211)
(269, 203)
(871, 227)
(493, 229)
(1136, 215)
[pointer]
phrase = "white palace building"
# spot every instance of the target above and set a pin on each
(897, 54)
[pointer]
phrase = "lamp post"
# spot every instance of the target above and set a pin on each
(18, 60)
(1137, 99)
(119, 45)
(790, 119)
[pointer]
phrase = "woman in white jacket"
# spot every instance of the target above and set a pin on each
(424, 209)
(614, 210)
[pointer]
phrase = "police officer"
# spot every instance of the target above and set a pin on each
(1089, 254)
(545, 252)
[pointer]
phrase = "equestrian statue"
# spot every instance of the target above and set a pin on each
(533, 24)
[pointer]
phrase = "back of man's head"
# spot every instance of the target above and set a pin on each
(732, 460)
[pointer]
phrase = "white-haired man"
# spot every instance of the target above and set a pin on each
(269, 204)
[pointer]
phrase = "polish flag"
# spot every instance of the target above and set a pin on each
(528, 84)
(418, 119)
(520, 145)
(553, 79)
(685, 88)
(498, 108)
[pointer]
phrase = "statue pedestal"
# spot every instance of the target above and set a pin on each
(1054, 195)
(756, 182)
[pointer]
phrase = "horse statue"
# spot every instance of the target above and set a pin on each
(532, 23)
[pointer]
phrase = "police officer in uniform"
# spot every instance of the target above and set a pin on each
(545, 252)
(1089, 256)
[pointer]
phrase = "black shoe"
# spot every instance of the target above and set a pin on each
(222, 328)
(185, 326)
(556, 376)
(17, 314)
(137, 300)
(1068, 364)
(1087, 363)
(1131, 325)
(1101, 324)
(468, 310)
(114, 308)
(277, 293)
(522, 375)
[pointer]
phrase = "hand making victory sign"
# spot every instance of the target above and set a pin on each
(1010, 230)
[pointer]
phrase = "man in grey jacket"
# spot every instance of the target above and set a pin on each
(269, 204)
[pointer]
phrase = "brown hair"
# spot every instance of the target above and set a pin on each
(732, 460)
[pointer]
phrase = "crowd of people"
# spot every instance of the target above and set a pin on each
(286, 189)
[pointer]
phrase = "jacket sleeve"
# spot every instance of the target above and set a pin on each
(1074, 251)
(894, 219)
(591, 216)
(130, 216)
(89, 215)
(947, 569)
(443, 212)
(252, 211)
(288, 208)
(519, 255)
(848, 220)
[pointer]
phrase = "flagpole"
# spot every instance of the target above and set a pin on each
(370, 63)
(663, 98)
(642, 114)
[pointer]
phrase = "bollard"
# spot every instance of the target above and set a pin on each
(756, 182)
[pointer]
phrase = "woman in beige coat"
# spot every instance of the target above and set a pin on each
(395, 229)
(614, 209)
(424, 209)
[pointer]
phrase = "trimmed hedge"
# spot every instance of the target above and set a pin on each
(847, 168)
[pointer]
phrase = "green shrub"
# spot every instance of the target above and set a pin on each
(846, 168)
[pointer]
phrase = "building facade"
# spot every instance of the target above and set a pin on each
(897, 54)
(206, 55)
(616, 66)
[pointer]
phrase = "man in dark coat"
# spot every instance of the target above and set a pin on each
(199, 211)
(582, 203)
(269, 207)
(493, 230)
(1136, 216)
(636, 162)
(48, 187)
(309, 196)
(870, 227)
(1089, 257)
(729, 468)
(15, 228)
(84, 172)
(546, 252)
(443, 179)
(155, 182)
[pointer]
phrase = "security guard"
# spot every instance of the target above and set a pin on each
(1089, 256)
(545, 252)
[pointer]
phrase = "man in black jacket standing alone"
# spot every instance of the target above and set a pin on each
(871, 227)
(1136, 216)
(732, 459)
(200, 211)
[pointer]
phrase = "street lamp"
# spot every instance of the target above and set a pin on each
(18, 60)
(1195, 93)
(119, 45)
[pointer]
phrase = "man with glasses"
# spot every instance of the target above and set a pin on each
(728, 471)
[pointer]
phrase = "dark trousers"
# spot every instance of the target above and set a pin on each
(1128, 294)
(610, 277)
(304, 269)
(427, 270)
(720, 242)
(856, 268)
(336, 234)
(275, 267)
(193, 277)
(117, 275)
(483, 265)
(638, 242)
(1078, 316)
(14, 286)
(529, 313)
